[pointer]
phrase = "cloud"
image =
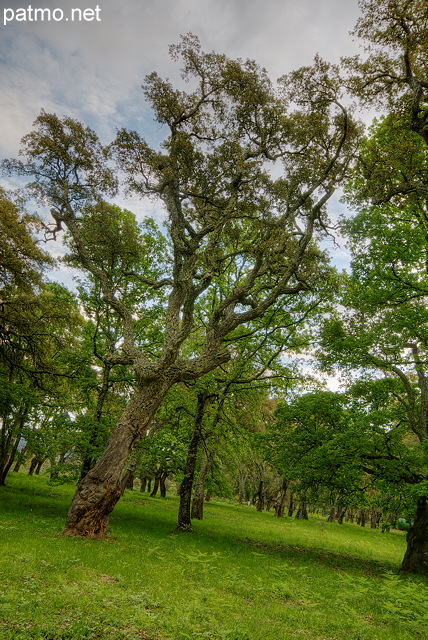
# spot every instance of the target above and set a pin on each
(93, 70)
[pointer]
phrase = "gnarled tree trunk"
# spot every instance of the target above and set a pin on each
(100, 490)
(416, 556)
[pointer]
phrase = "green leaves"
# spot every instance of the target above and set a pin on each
(66, 161)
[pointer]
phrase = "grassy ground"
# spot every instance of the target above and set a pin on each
(242, 576)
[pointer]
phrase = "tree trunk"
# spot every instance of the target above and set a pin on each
(20, 459)
(39, 467)
(10, 436)
(144, 479)
(291, 506)
(130, 482)
(332, 514)
(362, 517)
(162, 483)
(156, 483)
(340, 514)
(100, 490)
(184, 516)
(375, 518)
(350, 516)
(33, 465)
(302, 512)
(260, 497)
(9, 463)
(416, 556)
(198, 495)
(128, 478)
(280, 502)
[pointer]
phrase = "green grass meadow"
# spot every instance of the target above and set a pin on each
(242, 575)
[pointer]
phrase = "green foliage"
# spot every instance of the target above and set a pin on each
(21, 259)
(39, 324)
(351, 444)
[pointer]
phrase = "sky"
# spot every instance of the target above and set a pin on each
(88, 59)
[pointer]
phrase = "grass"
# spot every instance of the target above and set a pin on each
(242, 576)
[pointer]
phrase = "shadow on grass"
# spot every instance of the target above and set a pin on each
(140, 516)
(150, 524)
(329, 559)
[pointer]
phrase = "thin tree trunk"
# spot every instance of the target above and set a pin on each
(302, 512)
(198, 495)
(291, 506)
(146, 483)
(33, 465)
(341, 510)
(99, 491)
(162, 483)
(20, 457)
(39, 467)
(260, 497)
(416, 557)
(280, 502)
(375, 517)
(9, 462)
(156, 483)
(362, 517)
(332, 514)
(184, 515)
(9, 441)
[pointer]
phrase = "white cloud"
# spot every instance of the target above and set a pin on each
(94, 70)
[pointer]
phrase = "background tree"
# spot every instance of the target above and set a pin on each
(384, 330)
(37, 321)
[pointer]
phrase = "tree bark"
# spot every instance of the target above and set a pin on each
(340, 514)
(99, 491)
(362, 517)
(291, 506)
(280, 501)
(128, 478)
(39, 466)
(416, 556)
(162, 483)
(302, 512)
(375, 516)
(143, 480)
(33, 465)
(332, 514)
(156, 483)
(184, 515)
(260, 497)
(198, 495)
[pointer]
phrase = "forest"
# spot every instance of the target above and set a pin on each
(191, 358)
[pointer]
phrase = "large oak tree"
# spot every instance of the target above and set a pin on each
(243, 174)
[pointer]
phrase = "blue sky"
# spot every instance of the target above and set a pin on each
(93, 70)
